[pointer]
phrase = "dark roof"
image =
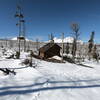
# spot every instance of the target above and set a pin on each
(48, 46)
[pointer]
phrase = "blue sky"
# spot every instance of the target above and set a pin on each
(48, 16)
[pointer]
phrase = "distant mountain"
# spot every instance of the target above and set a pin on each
(66, 40)
(15, 38)
(58, 40)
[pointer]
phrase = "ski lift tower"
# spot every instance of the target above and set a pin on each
(21, 29)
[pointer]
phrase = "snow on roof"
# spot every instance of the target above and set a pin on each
(57, 57)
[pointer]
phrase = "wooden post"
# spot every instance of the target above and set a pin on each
(62, 45)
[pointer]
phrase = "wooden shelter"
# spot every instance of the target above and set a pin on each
(49, 50)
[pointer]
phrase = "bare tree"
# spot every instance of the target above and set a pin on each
(51, 37)
(75, 28)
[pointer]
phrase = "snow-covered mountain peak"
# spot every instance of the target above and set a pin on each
(66, 40)
(15, 38)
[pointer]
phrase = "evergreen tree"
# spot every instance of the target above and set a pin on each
(91, 42)
(90, 45)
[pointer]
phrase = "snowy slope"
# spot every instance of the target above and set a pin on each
(52, 81)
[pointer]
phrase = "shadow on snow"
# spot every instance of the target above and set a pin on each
(25, 91)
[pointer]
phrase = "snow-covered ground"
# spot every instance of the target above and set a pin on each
(50, 81)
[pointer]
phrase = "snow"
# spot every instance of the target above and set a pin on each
(57, 40)
(66, 40)
(50, 81)
(15, 38)
(10, 63)
(56, 57)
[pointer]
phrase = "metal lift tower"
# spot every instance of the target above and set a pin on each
(21, 29)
